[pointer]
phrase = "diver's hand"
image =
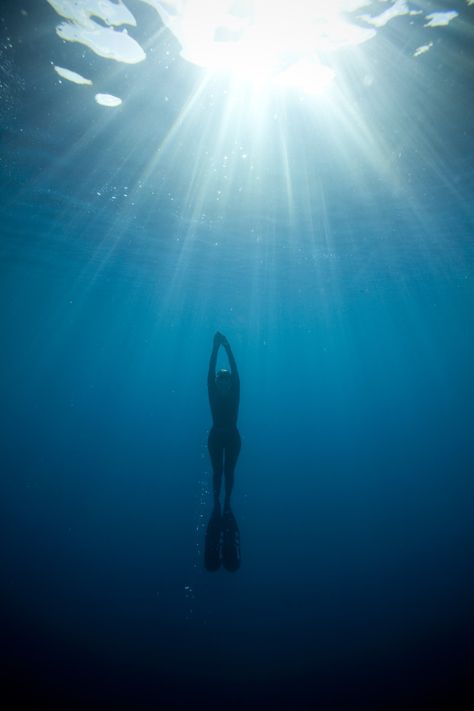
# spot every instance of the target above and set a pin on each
(218, 339)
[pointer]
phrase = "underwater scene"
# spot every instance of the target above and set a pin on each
(237, 360)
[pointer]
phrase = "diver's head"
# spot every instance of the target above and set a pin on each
(223, 381)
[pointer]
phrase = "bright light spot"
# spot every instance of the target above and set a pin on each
(71, 76)
(440, 19)
(104, 41)
(398, 9)
(309, 77)
(423, 49)
(265, 42)
(82, 11)
(108, 100)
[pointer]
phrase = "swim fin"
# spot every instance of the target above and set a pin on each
(213, 542)
(230, 542)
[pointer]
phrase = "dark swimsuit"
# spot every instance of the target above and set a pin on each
(224, 439)
(222, 536)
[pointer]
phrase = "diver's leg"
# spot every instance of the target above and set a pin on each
(216, 453)
(232, 452)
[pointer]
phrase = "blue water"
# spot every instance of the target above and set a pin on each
(347, 294)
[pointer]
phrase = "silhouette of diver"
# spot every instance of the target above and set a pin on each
(222, 536)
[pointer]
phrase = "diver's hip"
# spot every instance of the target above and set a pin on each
(224, 432)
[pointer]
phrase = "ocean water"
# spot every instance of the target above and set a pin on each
(328, 233)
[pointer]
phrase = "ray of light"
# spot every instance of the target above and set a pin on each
(239, 145)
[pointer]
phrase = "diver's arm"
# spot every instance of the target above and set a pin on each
(211, 376)
(233, 365)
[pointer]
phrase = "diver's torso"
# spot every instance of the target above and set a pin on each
(225, 410)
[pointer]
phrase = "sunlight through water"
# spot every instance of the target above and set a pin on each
(282, 44)
(237, 90)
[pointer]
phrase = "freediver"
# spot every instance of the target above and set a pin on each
(222, 536)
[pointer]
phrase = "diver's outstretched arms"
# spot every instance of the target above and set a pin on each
(221, 340)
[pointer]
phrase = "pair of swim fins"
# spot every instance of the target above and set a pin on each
(222, 545)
